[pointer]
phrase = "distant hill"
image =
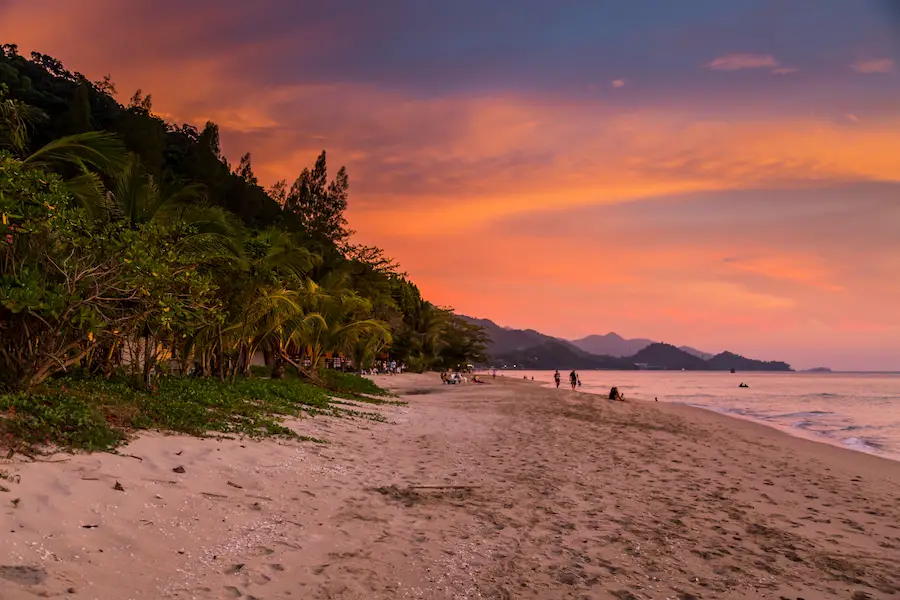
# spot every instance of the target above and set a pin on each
(695, 352)
(666, 356)
(611, 344)
(727, 361)
(556, 354)
(527, 348)
(505, 340)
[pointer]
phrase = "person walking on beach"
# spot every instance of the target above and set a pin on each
(573, 378)
(557, 378)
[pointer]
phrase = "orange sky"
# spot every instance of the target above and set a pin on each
(747, 200)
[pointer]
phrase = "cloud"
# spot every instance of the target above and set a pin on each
(796, 269)
(456, 136)
(735, 62)
(876, 65)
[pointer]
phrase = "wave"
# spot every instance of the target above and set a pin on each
(860, 427)
(863, 444)
(802, 414)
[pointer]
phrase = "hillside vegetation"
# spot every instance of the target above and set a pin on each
(132, 251)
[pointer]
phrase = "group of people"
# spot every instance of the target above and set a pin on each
(574, 380)
(456, 378)
(385, 367)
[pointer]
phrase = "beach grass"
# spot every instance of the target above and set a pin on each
(348, 386)
(93, 414)
(338, 381)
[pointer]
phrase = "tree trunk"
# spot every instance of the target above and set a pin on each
(277, 368)
(149, 356)
(221, 356)
(48, 368)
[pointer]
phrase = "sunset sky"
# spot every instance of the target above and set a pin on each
(717, 173)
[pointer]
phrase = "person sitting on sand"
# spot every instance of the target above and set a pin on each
(556, 378)
(573, 378)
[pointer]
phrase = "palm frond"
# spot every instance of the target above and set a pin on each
(89, 191)
(97, 149)
(16, 121)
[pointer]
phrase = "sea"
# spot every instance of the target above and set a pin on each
(859, 411)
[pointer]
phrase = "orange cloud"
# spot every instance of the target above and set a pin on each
(877, 65)
(442, 183)
(803, 270)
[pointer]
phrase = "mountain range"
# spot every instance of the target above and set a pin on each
(613, 344)
(527, 348)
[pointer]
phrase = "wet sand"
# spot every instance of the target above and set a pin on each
(505, 490)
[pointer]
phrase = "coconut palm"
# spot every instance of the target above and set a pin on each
(336, 320)
(84, 157)
(257, 285)
(427, 324)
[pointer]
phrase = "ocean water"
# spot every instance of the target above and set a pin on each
(860, 411)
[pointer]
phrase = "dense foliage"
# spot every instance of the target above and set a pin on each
(129, 245)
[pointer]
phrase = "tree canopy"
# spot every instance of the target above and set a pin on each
(128, 243)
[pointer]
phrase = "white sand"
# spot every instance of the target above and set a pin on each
(574, 497)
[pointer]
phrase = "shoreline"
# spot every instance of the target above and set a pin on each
(794, 432)
(472, 491)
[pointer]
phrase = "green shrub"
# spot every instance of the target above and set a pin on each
(94, 414)
(350, 383)
(58, 419)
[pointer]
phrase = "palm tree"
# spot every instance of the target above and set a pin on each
(336, 320)
(427, 324)
(88, 154)
(366, 348)
(258, 299)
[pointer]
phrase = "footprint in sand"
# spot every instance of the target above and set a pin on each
(23, 575)
(262, 551)
(260, 579)
(229, 591)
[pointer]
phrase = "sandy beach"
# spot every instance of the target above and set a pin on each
(505, 490)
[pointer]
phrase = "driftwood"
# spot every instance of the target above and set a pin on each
(130, 456)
